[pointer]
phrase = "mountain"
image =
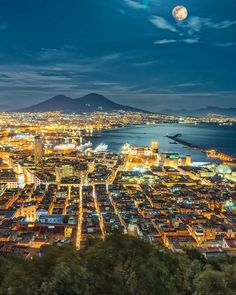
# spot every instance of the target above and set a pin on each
(87, 104)
(231, 112)
(56, 103)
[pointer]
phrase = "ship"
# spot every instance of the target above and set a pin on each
(226, 124)
(73, 146)
(101, 148)
(85, 146)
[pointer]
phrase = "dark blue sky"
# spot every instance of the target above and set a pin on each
(132, 51)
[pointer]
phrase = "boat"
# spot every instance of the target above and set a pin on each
(85, 145)
(101, 148)
(226, 124)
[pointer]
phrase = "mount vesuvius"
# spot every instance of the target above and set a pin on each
(87, 104)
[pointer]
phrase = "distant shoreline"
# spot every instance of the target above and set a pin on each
(184, 143)
(210, 153)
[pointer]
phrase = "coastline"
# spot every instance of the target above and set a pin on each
(142, 135)
(211, 153)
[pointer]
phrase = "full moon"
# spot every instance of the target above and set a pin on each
(180, 13)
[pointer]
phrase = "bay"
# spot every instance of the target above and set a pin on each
(222, 138)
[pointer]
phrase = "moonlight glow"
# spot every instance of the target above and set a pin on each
(180, 13)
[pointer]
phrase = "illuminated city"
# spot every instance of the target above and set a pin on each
(117, 147)
(56, 187)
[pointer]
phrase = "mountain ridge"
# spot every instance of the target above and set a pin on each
(89, 103)
(202, 111)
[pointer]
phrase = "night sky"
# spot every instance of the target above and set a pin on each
(132, 51)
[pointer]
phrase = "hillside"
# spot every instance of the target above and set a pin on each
(120, 265)
(87, 104)
(231, 112)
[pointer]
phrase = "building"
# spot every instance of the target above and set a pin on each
(3, 187)
(8, 178)
(175, 160)
(188, 160)
(28, 211)
(38, 150)
(171, 159)
(154, 146)
(64, 171)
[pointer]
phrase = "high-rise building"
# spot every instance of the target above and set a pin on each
(154, 146)
(188, 160)
(38, 150)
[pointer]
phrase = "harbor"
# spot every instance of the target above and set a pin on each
(210, 153)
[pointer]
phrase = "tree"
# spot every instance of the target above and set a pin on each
(210, 282)
(118, 265)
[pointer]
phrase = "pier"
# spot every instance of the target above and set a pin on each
(211, 153)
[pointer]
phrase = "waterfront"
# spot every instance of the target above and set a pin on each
(222, 138)
(57, 191)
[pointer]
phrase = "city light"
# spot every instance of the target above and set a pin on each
(54, 179)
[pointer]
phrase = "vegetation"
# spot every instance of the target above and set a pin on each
(119, 265)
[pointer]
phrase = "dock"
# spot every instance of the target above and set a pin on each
(211, 153)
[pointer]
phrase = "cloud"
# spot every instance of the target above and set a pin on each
(74, 78)
(163, 24)
(196, 24)
(225, 44)
(171, 41)
(190, 40)
(222, 25)
(164, 41)
(105, 83)
(144, 63)
(135, 4)
(55, 76)
(3, 26)
(189, 32)
(190, 84)
(48, 54)
(109, 57)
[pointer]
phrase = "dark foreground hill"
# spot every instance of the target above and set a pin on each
(119, 265)
(87, 104)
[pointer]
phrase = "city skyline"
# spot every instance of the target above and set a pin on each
(133, 52)
(117, 147)
(69, 178)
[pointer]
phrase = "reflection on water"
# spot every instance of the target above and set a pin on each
(222, 138)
